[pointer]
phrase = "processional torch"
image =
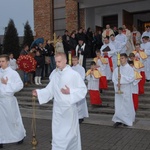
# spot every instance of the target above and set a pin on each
(118, 64)
(34, 141)
(69, 58)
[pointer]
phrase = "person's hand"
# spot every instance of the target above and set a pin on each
(4, 81)
(79, 52)
(34, 93)
(65, 90)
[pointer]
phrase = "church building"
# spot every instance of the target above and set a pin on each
(59, 15)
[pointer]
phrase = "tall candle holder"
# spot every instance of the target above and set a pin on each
(34, 141)
(69, 58)
(118, 64)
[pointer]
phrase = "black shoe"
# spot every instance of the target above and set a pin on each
(81, 120)
(20, 142)
(147, 80)
(1, 145)
(117, 124)
(101, 91)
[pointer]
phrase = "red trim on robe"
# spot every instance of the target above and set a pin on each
(134, 38)
(72, 52)
(141, 83)
(107, 32)
(95, 97)
(103, 83)
(110, 63)
(135, 101)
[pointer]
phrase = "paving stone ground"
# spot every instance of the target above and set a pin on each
(94, 137)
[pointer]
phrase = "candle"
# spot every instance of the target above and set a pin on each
(69, 57)
(118, 58)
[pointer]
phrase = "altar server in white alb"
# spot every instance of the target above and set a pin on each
(146, 47)
(108, 50)
(82, 105)
(67, 88)
(124, 109)
(117, 46)
(122, 39)
(11, 126)
(12, 62)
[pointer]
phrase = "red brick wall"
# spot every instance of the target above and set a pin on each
(82, 18)
(71, 15)
(43, 19)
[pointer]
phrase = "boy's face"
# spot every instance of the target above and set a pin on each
(112, 38)
(11, 56)
(93, 67)
(74, 61)
(4, 63)
(106, 41)
(98, 54)
(137, 47)
(123, 60)
(132, 58)
(60, 62)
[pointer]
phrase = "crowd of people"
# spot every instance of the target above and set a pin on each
(119, 56)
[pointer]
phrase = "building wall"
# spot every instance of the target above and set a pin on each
(71, 15)
(55, 16)
(43, 21)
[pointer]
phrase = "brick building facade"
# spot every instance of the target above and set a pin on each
(47, 19)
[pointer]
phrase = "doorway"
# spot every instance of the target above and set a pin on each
(111, 20)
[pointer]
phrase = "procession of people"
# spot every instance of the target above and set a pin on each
(122, 57)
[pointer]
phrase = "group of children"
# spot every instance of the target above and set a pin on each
(97, 80)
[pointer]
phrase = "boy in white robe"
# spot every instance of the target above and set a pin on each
(146, 47)
(82, 105)
(122, 39)
(108, 55)
(135, 88)
(12, 62)
(117, 46)
(101, 63)
(93, 75)
(124, 109)
(11, 126)
(67, 88)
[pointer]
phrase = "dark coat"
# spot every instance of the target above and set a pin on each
(40, 61)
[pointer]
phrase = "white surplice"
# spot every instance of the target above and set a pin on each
(124, 109)
(93, 83)
(110, 54)
(102, 67)
(146, 48)
(117, 46)
(65, 125)
(123, 41)
(11, 126)
(13, 64)
(81, 105)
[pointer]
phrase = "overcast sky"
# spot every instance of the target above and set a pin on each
(18, 10)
